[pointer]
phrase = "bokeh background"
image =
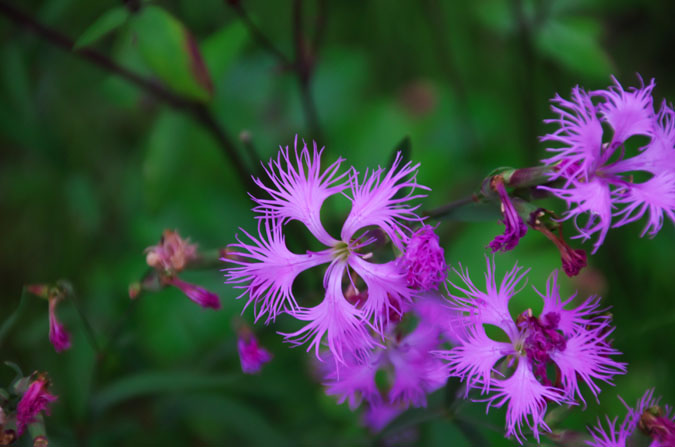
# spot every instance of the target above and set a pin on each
(92, 169)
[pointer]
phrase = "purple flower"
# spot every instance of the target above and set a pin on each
(515, 227)
(597, 170)
(197, 294)
(34, 400)
(58, 336)
(424, 260)
(265, 269)
(572, 341)
(409, 372)
(251, 354)
(648, 416)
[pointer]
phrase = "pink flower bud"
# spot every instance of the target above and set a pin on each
(197, 294)
(58, 335)
(251, 355)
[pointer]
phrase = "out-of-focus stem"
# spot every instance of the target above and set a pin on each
(199, 111)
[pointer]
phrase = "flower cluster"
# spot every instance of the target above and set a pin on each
(573, 342)
(652, 420)
(21, 404)
(169, 258)
(265, 268)
(398, 374)
(601, 177)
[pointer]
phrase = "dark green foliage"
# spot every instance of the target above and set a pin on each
(92, 169)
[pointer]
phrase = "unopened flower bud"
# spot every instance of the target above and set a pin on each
(251, 354)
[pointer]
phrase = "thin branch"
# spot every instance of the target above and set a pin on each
(304, 59)
(197, 110)
(258, 35)
(304, 66)
(450, 207)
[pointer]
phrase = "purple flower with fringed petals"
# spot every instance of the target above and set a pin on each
(266, 269)
(411, 369)
(424, 260)
(574, 341)
(655, 422)
(599, 185)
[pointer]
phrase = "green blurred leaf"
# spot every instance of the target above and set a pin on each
(158, 382)
(8, 324)
(104, 25)
(172, 53)
(405, 148)
(221, 48)
(573, 44)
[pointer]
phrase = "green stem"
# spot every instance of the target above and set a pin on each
(89, 330)
(11, 320)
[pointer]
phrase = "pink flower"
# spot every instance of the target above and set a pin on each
(574, 342)
(599, 187)
(265, 269)
(424, 260)
(169, 258)
(172, 253)
(58, 335)
(251, 355)
(34, 400)
(197, 294)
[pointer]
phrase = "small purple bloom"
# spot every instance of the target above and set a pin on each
(424, 260)
(597, 170)
(409, 371)
(655, 422)
(265, 269)
(572, 341)
(58, 336)
(515, 226)
(197, 294)
(251, 354)
(34, 400)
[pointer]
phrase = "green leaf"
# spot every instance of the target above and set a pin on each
(158, 382)
(573, 44)
(104, 25)
(221, 48)
(171, 52)
(405, 148)
(8, 324)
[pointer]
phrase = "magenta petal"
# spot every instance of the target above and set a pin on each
(58, 336)
(197, 294)
(34, 400)
(514, 229)
(299, 188)
(378, 201)
(251, 354)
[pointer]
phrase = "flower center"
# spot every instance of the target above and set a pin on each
(341, 250)
(540, 338)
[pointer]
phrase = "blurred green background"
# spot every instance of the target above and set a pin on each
(92, 169)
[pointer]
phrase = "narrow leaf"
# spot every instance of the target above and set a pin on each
(158, 382)
(171, 52)
(104, 25)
